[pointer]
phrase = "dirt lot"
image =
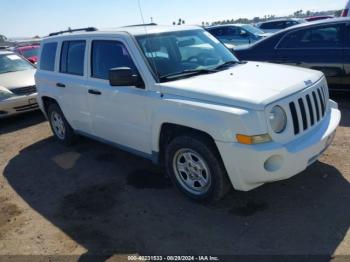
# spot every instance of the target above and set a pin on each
(95, 199)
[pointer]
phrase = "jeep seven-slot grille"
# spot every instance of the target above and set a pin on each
(308, 110)
(23, 91)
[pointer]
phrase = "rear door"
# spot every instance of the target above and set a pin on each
(319, 48)
(72, 81)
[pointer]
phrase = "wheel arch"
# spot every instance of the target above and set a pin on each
(46, 101)
(168, 131)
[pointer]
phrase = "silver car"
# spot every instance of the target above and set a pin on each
(17, 85)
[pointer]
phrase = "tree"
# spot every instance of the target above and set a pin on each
(2, 38)
(179, 22)
(256, 19)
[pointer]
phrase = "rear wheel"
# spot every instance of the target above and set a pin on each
(59, 125)
(196, 169)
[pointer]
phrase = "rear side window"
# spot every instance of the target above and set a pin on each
(290, 23)
(72, 57)
(220, 31)
(48, 55)
(322, 37)
(274, 25)
(107, 55)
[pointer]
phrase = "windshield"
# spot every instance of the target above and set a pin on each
(13, 63)
(252, 29)
(27, 53)
(174, 53)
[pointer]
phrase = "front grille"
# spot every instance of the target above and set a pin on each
(24, 91)
(309, 110)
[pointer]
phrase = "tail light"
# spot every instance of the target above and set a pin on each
(345, 13)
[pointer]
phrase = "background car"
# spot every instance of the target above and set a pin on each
(273, 26)
(317, 18)
(30, 52)
(345, 11)
(237, 34)
(17, 85)
(322, 45)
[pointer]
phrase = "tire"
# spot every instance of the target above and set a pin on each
(61, 129)
(196, 158)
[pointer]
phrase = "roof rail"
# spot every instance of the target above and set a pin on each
(86, 29)
(150, 24)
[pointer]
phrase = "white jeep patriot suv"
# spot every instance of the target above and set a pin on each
(177, 96)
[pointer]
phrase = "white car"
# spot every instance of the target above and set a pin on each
(345, 12)
(177, 96)
(17, 86)
(274, 26)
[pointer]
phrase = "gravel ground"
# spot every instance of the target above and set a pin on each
(92, 199)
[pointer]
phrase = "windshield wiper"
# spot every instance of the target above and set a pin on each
(226, 64)
(188, 72)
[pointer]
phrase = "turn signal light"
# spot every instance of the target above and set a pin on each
(251, 140)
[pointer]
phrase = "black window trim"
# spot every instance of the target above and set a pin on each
(61, 52)
(91, 56)
(312, 28)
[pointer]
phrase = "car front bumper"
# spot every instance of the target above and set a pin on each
(250, 166)
(17, 105)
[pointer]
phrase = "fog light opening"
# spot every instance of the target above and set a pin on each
(273, 163)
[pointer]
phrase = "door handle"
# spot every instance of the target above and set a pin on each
(61, 85)
(94, 92)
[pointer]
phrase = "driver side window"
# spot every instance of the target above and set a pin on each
(107, 55)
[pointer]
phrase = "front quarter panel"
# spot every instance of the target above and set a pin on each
(221, 122)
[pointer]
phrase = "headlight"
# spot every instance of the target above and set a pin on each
(5, 93)
(278, 119)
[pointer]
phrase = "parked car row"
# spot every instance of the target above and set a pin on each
(319, 45)
(197, 110)
(322, 45)
(244, 34)
(237, 34)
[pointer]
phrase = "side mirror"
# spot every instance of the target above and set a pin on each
(124, 76)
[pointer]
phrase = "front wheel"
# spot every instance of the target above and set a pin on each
(195, 167)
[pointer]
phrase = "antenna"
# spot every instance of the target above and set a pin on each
(149, 42)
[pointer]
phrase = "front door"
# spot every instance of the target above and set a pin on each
(119, 114)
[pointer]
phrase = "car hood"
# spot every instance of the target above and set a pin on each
(251, 85)
(17, 79)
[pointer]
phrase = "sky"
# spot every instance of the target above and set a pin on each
(21, 18)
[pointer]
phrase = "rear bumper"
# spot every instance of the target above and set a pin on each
(17, 105)
(252, 166)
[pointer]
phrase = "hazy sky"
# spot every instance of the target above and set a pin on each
(39, 17)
